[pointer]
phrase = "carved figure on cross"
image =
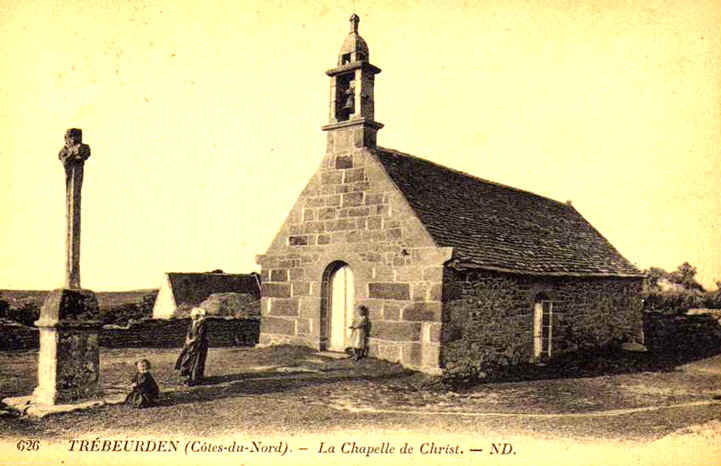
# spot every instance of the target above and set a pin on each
(73, 156)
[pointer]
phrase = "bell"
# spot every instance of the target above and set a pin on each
(348, 103)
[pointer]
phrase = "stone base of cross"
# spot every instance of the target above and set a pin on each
(69, 358)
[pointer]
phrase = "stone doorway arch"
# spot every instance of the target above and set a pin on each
(337, 304)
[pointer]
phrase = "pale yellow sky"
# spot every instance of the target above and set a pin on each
(204, 121)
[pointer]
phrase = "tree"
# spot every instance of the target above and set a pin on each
(654, 275)
(684, 276)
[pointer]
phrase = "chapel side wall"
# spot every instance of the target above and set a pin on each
(352, 212)
(489, 316)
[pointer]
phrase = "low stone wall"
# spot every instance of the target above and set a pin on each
(15, 336)
(683, 336)
(171, 333)
(150, 333)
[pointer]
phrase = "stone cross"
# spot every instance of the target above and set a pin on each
(69, 323)
(73, 156)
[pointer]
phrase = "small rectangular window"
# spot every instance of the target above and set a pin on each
(547, 327)
(542, 329)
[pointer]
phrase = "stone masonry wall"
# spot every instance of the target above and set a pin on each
(148, 333)
(170, 333)
(351, 212)
(489, 316)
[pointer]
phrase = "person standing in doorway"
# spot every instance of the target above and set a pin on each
(359, 334)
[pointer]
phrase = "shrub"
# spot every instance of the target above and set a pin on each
(463, 373)
(24, 311)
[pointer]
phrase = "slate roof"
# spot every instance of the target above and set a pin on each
(194, 288)
(497, 227)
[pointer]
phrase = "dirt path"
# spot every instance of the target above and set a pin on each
(289, 389)
(611, 412)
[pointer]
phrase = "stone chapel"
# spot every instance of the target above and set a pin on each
(451, 267)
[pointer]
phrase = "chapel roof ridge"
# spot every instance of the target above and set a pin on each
(477, 178)
(499, 227)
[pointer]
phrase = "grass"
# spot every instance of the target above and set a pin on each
(292, 389)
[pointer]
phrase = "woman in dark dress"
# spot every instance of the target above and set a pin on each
(191, 362)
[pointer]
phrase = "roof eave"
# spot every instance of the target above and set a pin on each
(459, 265)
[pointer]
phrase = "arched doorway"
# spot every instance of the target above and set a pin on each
(338, 303)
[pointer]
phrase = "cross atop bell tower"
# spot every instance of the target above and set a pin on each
(351, 93)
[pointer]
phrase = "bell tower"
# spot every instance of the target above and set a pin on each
(351, 123)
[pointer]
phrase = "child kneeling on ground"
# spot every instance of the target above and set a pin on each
(145, 390)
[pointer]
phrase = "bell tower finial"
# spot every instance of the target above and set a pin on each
(354, 20)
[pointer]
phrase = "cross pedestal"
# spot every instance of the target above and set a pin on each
(69, 359)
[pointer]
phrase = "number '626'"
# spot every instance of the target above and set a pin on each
(28, 445)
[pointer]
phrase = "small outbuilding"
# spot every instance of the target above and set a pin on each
(182, 291)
